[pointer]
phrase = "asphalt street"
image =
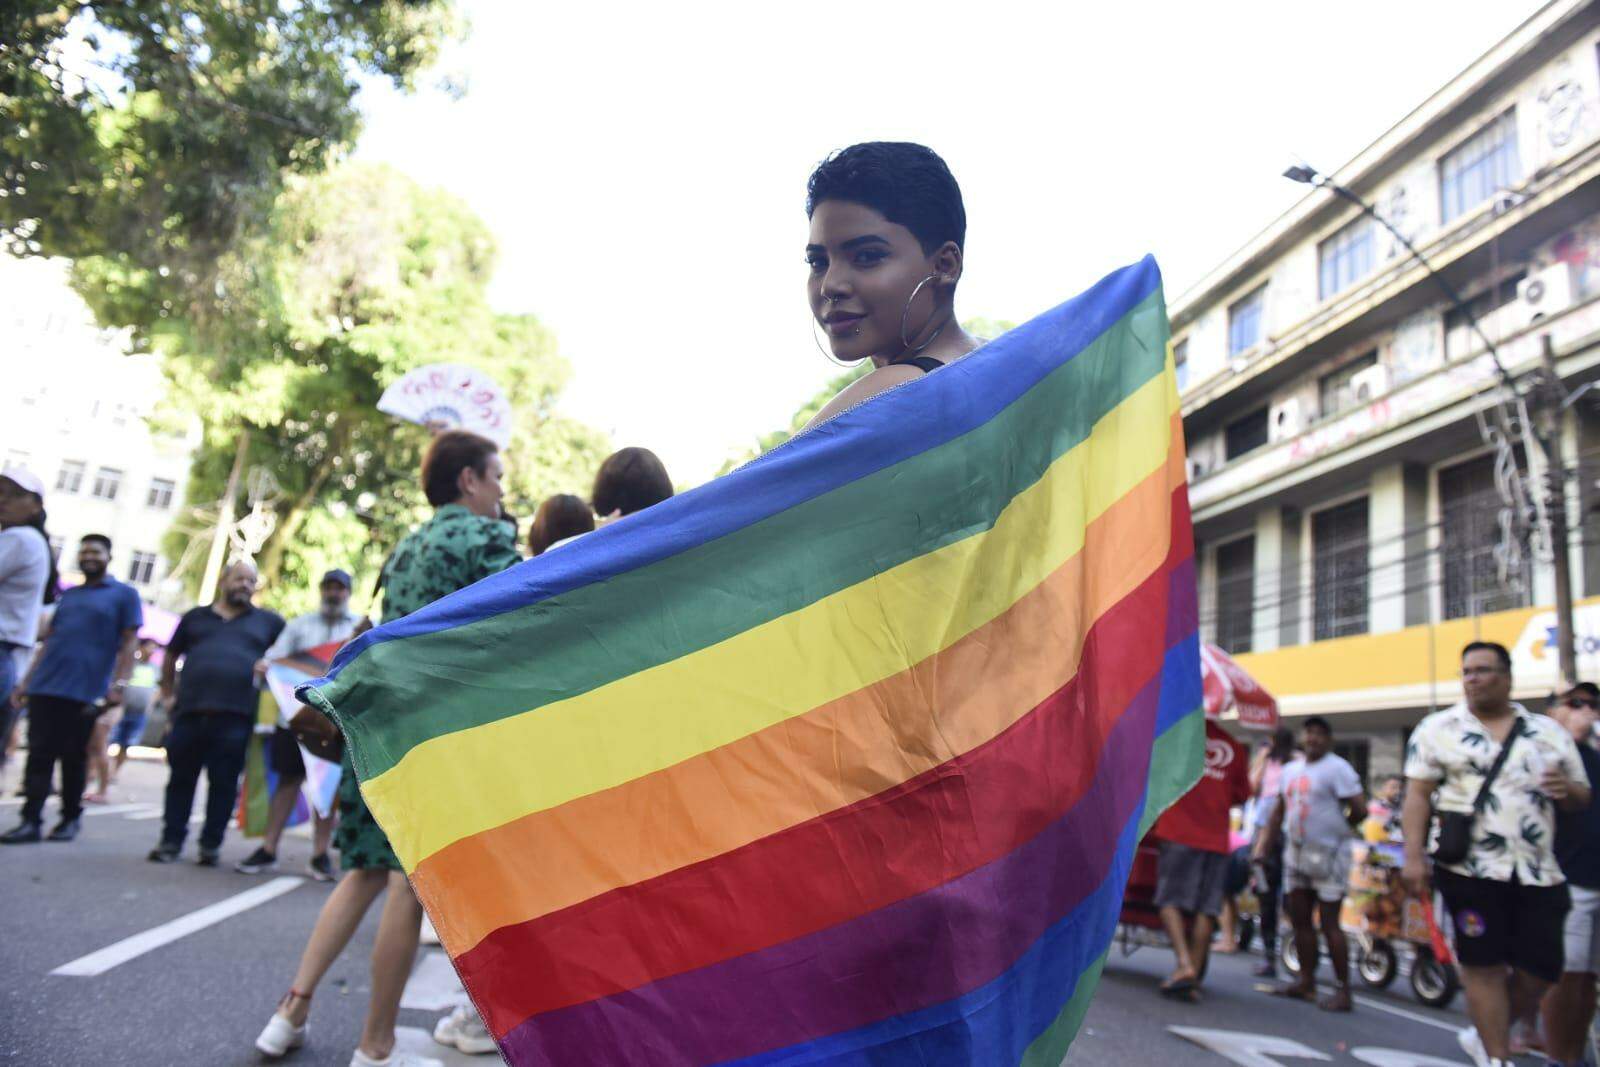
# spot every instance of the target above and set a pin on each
(108, 959)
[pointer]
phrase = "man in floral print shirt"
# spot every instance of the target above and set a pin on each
(1508, 898)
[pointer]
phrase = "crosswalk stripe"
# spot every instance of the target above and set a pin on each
(116, 809)
(433, 986)
(120, 952)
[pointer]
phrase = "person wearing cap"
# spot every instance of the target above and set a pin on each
(81, 669)
(332, 621)
(27, 581)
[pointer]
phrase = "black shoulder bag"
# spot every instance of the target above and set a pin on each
(1454, 839)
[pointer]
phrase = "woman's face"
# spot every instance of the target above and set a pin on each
(863, 271)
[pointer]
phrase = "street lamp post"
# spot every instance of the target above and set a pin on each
(1549, 401)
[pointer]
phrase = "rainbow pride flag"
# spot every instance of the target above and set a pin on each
(842, 757)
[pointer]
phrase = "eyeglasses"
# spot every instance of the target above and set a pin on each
(1581, 702)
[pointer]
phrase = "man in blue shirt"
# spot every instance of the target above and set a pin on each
(85, 656)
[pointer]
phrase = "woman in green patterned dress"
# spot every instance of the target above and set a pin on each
(464, 540)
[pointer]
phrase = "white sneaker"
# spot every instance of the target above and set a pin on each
(280, 1036)
(394, 1059)
(463, 1030)
(1467, 1037)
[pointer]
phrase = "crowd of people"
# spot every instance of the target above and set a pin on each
(73, 672)
(1493, 811)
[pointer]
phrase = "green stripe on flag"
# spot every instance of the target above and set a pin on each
(1050, 1047)
(1175, 765)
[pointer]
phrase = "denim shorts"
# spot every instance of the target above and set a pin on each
(129, 731)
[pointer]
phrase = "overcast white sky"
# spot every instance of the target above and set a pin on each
(643, 166)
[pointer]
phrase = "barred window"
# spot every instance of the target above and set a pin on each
(1469, 521)
(1339, 546)
(1236, 594)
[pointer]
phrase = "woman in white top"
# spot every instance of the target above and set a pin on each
(27, 581)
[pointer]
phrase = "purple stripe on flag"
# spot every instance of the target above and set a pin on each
(920, 951)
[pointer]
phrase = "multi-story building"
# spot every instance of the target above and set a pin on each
(76, 409)
(1347, 516)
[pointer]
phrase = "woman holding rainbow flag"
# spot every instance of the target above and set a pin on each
(885, 252)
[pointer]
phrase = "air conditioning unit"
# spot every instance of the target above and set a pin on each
(1542, 293)
(1197, 469)
(1287, 419)
(1368, 385)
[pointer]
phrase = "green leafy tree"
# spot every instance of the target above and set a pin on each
(360, 275)
(158, 133)
(982, 328)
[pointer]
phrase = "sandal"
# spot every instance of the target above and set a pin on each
(1294, 992)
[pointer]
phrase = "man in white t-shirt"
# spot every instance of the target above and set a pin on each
(1320, 802)
(25, 574)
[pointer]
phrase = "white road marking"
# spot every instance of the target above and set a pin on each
(1416, 1017)
(1246, 1049)
(128, 948)
(433, 986)
(1392, 1057)
(115, 809)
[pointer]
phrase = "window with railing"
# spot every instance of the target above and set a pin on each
(1236, 594)
(1469, 533)
(1486, 309)
(1336, 391)
(1244, 321)
(1180, 363)
(1471, 172)
(1340, 570)
(1245, 434)
(1345, 258)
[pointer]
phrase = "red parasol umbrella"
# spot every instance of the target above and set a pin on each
(1226, 685)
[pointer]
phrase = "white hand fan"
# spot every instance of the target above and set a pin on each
(451, 396)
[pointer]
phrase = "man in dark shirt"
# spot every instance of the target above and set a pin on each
(84, 659)
(1568, 1007)
(215, 710)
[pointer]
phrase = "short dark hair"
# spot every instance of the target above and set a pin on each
(1490, 646)
(451, 453)
(1317, 722)
(906, 183)
(98, 539)
(630, 480)
(1588, 689)
(558, 518)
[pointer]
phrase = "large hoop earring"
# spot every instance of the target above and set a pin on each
(824, 350)
(905, 343)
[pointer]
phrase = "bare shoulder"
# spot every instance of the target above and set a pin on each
(864, 388)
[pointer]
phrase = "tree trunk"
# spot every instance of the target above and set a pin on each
(270, 563)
